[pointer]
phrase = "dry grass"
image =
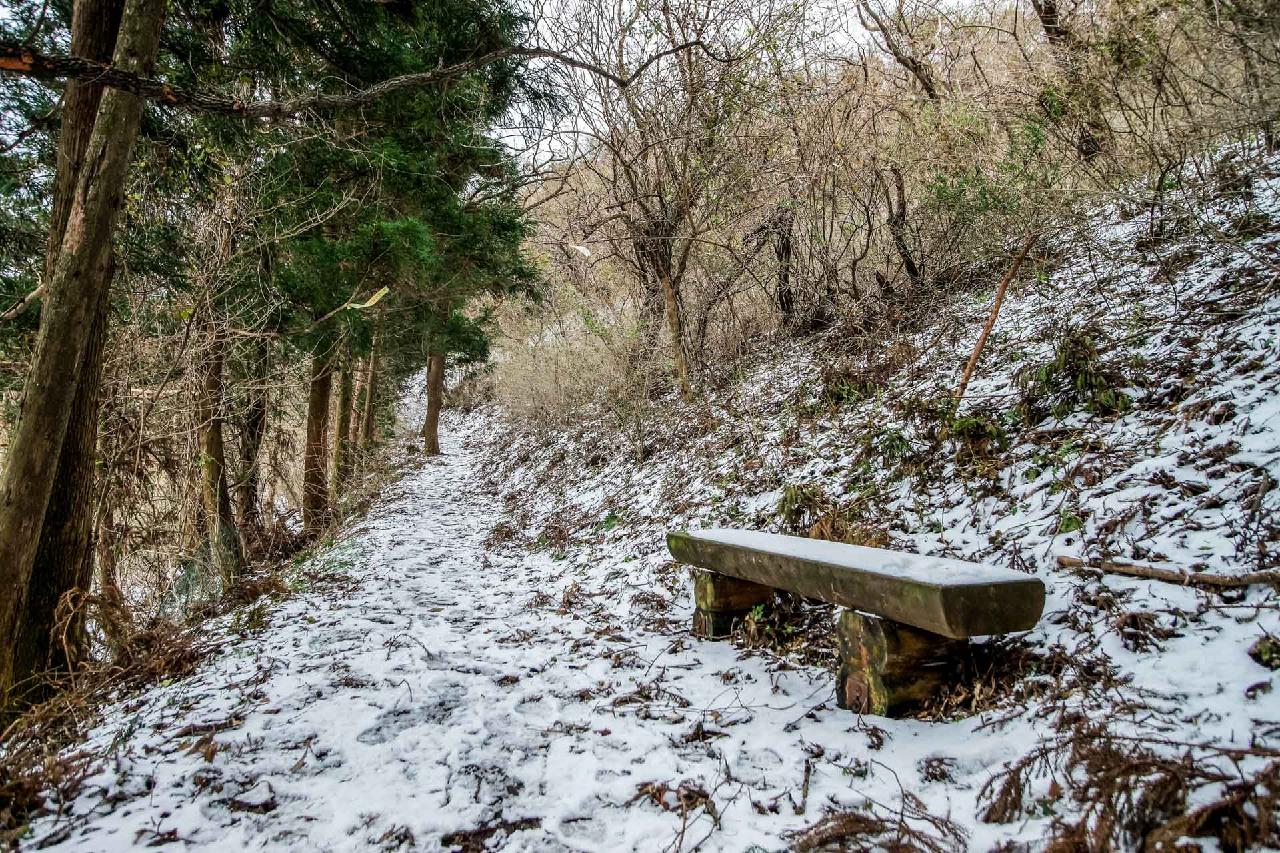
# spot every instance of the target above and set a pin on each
(36, 764)
(909, 827)
(1133, 793)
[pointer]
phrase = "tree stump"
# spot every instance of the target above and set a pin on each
(885, 665)
(723, 603)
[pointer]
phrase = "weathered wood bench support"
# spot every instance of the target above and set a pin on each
(908, 616)
(722, 603)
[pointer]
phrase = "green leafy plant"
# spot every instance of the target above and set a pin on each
(1266, 651)
(1069, 522)
(976, 436)
(891, 444)
(1076, 378)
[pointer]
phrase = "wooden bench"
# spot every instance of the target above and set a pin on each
(907, 616)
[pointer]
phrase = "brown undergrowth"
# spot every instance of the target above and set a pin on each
(1002, 675)
(36, 760)
(1008, 673)
(909, 827)
(1136, 793)
(794, 628)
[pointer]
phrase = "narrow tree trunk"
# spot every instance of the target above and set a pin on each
(898, 227)
(248, 506)
(72, 293)
(315, 481)
(258, 369)
(64, 556)
(435, 402)
(226, 551)
(114, 617)
(360, 372)
(992, 317)
(342, 429)
(675, 326)
(782, 250)
(368, 408)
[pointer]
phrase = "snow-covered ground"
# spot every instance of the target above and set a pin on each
(501, 659)
(1133, 676)
(436, 691)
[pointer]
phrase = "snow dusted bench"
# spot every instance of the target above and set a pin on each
(908, 616)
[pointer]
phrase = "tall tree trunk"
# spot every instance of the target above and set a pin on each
(64, 556)
(72, 294)
(342, 429)
(51, 639)
(675, 326)
(315, 481)
(360, 370)
(435, 402)
(226, 551)
(248, 507)
(785, 227)
(898, 227)
(369, 406)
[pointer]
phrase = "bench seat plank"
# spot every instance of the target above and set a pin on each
(954, 598)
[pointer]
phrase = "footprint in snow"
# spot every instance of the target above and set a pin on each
(391, 724)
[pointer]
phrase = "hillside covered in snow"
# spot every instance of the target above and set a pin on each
(498, 656)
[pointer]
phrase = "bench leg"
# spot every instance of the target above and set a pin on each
(723, 603)
(885, 665)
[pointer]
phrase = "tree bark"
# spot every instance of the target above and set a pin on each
(64, 556)
(782, 249)
(51, 639)
(226, 551)
(675, 326)
(249, 508)
(113, 617)
(360, 372)
(368, 407)
(435, 402)
(315, 462)
(898, 227)
(73, 292)
(653, 248)
(342, 429)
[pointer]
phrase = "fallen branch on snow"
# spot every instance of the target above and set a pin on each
(1136, 570)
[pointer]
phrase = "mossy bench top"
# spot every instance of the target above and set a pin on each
(953, 598)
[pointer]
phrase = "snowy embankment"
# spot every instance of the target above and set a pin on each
(1127, 684)
(501, 654)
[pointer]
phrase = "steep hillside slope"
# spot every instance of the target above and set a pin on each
(1125, 410)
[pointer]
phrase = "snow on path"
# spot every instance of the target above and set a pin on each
(432, 695)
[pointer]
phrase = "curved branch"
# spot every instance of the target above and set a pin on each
(21, 60)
